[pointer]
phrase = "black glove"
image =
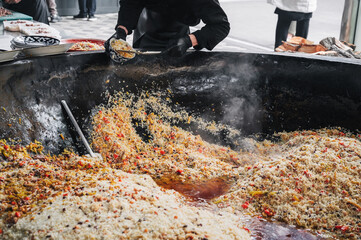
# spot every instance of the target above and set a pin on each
(120, 34)
(107, 43)
(178, 47)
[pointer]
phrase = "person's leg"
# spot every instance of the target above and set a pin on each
(82, 7)
(83, 12)
(302, 28)
(52, 7)
(54, 17)
(91, 5)
(283, 24)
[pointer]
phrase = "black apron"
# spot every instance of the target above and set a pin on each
(154, 31)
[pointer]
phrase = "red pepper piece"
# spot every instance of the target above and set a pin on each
(268, 212)
(344, 228)
(246, 229)
(106, 120)
(245, 205)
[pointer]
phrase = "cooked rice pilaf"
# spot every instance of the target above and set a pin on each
(311, 179)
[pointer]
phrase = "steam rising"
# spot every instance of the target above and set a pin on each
(242, 110)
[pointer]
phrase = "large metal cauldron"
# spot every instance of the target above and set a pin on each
(256, 93)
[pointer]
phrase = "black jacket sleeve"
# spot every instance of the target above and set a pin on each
(217, 26)
(129, 12)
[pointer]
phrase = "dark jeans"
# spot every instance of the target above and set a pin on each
(284, 21)
(283, 26)
(87, 7)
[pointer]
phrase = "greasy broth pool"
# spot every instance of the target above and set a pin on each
(205, 190)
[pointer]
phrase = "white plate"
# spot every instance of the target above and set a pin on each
(48, 50)
(8, 55)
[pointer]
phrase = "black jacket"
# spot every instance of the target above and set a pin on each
(188, 12)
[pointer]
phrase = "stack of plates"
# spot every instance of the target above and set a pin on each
(33, 46)
(23, 42)
(46, 51)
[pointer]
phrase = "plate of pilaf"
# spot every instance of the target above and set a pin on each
(85, 44)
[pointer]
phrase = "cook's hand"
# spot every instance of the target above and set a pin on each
(120, 34)
(178, 47)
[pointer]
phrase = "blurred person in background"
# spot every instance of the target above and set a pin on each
(38, 9)
(164, 24)
(87, 10)
(292, 10)
(54, 17)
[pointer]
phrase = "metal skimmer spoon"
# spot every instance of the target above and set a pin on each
(72, 119)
